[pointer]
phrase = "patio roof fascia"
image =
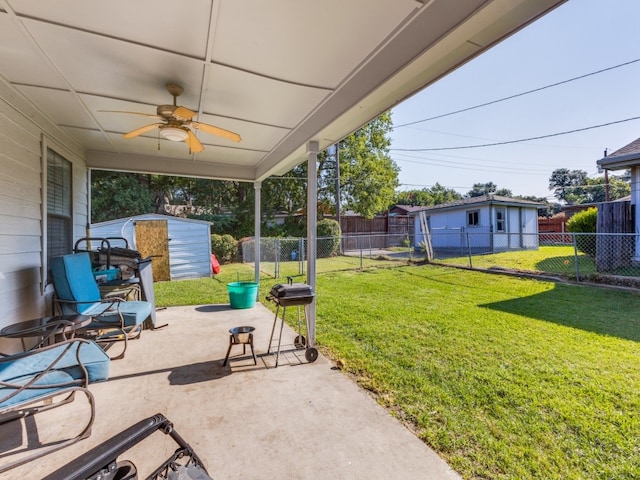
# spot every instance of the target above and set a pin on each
(620, 162)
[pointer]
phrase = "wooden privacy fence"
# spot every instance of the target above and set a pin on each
(614, 251)
(379, 232)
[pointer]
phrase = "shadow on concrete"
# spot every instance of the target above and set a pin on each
(185, 374)
(213, 308)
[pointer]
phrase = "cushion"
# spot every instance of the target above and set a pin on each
(73, 280)
(52, 377)
(95, 360)
(134, 313)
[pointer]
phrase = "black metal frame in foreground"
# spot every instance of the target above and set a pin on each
(102, 461)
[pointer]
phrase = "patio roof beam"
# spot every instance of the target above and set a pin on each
(120, 162)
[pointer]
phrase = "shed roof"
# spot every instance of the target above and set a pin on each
(150, 216)
(481, 201)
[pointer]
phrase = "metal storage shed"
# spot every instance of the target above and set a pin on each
(189, 242)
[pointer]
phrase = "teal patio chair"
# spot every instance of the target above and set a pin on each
(113, 318)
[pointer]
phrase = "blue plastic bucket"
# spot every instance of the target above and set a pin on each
(242, 294)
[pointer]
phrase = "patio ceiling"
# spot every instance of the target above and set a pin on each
(278, 72)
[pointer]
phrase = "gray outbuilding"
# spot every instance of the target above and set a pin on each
(183, 244)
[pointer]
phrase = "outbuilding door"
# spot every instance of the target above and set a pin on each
(152, 240)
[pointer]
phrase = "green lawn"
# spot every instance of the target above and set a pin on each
(547, 259)
(504, 377)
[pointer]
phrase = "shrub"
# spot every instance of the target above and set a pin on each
(328, 238)
(224, 247)
(584, 223)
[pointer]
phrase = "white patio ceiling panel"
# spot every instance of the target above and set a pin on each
(309, 43)
(278, 72)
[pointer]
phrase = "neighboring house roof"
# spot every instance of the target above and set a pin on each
(482, 201)
(625, 157)
(406, 208)
(584, 206)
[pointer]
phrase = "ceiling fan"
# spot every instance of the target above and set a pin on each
(177, 123)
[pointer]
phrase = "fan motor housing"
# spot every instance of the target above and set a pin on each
(165, 110)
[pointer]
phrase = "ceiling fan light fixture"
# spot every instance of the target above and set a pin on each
(175, 134)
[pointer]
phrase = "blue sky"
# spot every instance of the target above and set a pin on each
(579, 37)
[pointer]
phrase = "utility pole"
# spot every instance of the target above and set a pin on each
(606, 180)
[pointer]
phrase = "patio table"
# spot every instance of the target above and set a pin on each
(48, 329)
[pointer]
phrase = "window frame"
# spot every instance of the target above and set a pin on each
(503, 221)
(471, 216)
(47, 145)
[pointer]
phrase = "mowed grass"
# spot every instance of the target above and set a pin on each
(505, 378)
(550, 259)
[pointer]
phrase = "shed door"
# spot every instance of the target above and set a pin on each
(152, 240)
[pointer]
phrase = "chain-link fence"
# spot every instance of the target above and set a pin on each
(572, 255)
(283, 257)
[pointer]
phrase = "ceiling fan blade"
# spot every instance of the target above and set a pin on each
(194, 144)
(184, 112)
(217, 131)
(130, 113)
(141, 130)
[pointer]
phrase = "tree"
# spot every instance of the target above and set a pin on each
(435, 195)
(368, 175)
(596, 189)
(567, 185)
(575, 187)
(503, 192)
(117, 195)
(480, 189)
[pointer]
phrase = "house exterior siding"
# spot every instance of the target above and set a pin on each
(25, 135)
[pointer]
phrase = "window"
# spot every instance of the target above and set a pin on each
(59, 211)
(473, 218)
(500, 220)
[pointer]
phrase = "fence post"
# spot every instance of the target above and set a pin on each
(469, 249)
(575, 256)
(276, 253)
(300, 257)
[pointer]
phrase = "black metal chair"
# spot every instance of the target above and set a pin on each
(103, 462)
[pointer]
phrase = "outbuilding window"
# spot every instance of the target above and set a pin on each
(473, 218)
(501, 220)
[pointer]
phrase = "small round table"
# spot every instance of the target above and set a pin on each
(46, 328)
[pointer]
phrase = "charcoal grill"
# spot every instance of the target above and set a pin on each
(292, 295)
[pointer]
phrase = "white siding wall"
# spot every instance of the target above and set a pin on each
(21, 223)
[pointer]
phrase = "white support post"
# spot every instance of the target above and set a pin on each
(312, 234)
(256, 227)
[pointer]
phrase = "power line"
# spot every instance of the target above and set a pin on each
(518, 94)
(514, 141)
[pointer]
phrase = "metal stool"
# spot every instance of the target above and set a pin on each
(241, 336)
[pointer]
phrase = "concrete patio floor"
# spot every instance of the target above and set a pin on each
(299, 420)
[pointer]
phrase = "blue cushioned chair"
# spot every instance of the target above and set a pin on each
(113, 318)
(41, 379)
